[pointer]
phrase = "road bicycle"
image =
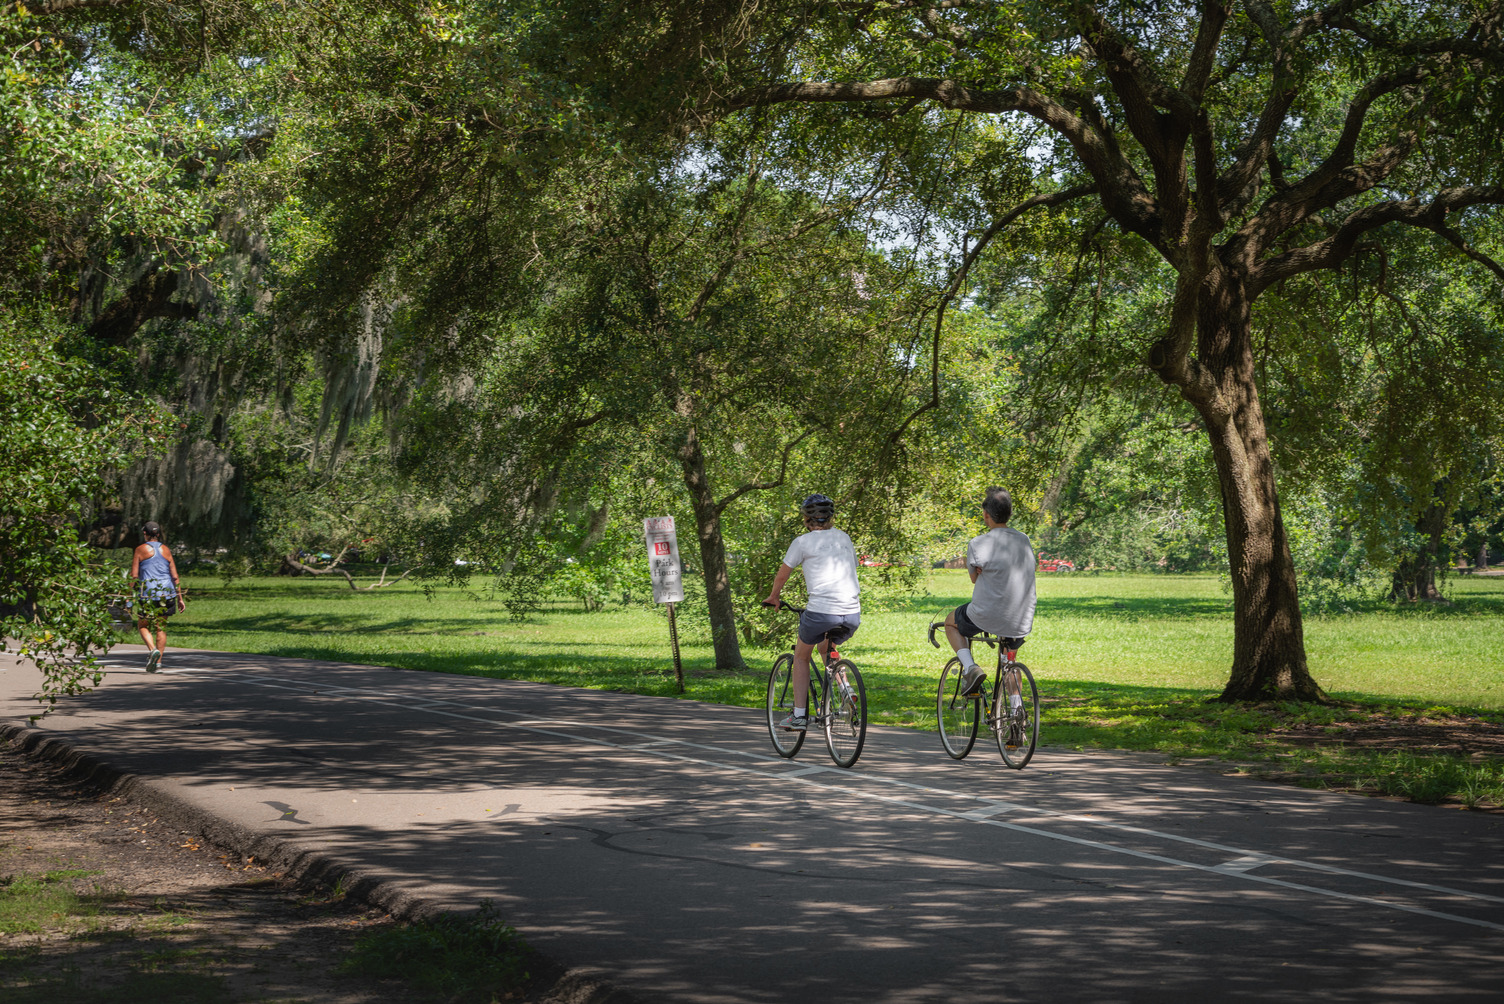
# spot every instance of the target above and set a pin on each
(841, 711)
(1016, 729)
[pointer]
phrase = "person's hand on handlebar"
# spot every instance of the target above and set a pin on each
(774, 602)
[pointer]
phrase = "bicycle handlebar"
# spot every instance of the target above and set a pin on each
(986, 637)
(780, 605)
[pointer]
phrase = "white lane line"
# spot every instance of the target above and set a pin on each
(804, 771)
(1020, 826)
(987, 811)
(1247, 863)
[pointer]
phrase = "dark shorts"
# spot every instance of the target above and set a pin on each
(813, 627)
(160, 607)
(970, 630)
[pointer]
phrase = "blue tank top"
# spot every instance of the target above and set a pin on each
(156, 573)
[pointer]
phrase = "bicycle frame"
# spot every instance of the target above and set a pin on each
(1007, 659)
(820, 675)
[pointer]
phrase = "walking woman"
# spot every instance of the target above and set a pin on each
(157, 592)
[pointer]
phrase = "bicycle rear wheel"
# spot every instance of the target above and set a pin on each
(781, 705)
(957, 715)
(1017, 728)
(845, 714)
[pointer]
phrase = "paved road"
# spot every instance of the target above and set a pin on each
(659, 842)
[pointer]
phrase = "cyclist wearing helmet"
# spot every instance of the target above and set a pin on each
(1001, 563)
(834, 610)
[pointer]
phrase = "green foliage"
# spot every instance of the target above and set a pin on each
(457, 955)
(92, 157)
(61, 430)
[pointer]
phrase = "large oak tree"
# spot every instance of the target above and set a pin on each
(1246, 143)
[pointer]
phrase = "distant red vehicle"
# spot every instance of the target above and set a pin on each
(1055, 564)
(867, 561)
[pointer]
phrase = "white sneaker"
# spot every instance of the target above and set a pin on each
(795, 723)
(153, 661)
(971, 681)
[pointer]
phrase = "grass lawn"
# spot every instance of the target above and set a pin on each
(1123, 661)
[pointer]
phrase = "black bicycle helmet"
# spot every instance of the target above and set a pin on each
(818, 508)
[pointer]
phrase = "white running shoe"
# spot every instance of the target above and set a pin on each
(795, 723)
(971, 681)
(153, 661)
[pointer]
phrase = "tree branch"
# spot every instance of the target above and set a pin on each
(147, 298)
(761, 486)
(1123, 193)
(1460, 243)
(291, 561)
(1198, 69)
(1336, 248)
(954, 287)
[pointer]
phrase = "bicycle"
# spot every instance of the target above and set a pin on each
(1015, 729)
(841, 712)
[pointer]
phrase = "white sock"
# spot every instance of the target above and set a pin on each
(967, 662)
(1017, 700)
(801, 712)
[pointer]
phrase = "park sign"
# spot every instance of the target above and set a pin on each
(668, 577)
(663, 559)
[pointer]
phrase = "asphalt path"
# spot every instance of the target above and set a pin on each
(662, 844)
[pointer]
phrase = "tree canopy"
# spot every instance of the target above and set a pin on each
(1209, 285)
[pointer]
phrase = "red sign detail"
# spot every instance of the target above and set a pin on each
(660, 547)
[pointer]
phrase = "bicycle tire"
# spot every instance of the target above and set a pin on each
(845, 715)
(780, 704)
(1017, 755)
(957, 715)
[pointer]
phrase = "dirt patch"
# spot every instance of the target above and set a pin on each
(141, 911)
(1440, 734)
(102, 901)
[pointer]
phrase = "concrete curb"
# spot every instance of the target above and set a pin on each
(557, 984)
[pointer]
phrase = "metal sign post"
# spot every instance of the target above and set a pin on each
(668, 577)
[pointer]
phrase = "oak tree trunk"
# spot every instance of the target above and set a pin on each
(1415, 577)
(728, 653)
(1269, 655)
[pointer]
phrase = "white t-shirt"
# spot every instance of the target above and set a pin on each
(829, 560)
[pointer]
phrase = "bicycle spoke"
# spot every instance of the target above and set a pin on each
(781, 704)
(957, 715)
(1018, 725)
(845, 723)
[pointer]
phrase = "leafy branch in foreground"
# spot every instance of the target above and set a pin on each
(61, 430)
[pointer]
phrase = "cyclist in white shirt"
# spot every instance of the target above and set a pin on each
(1001, 562)
(834, 610)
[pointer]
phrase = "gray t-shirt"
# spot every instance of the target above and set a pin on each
(1002, 600)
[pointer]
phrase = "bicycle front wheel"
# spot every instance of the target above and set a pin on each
(845, 713)
(1017, 727)
(781, 705)
(957, 715)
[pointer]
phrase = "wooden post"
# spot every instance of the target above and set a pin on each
(673, 634)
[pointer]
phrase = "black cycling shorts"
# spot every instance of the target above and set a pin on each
(969, 630)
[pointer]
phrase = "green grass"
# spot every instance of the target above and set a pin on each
(74, 987)
(462, 957)
(32, 903)
(1126, 661)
